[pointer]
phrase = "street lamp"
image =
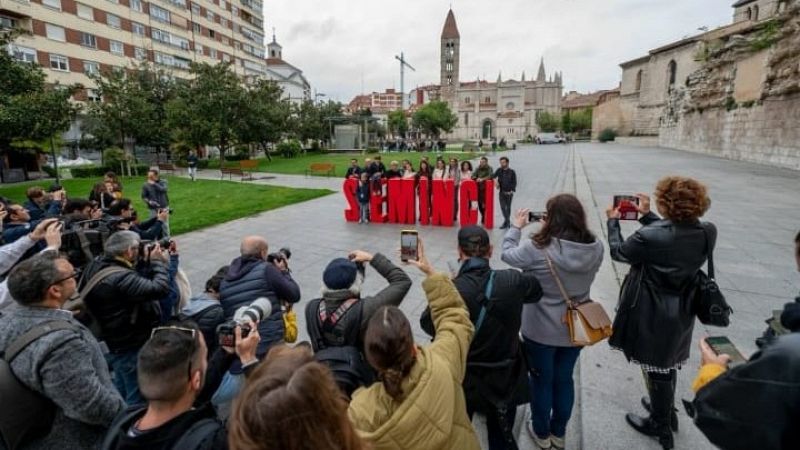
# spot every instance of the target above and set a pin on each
(318, 95)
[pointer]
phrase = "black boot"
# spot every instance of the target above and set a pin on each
(662, 396)
(673, 417)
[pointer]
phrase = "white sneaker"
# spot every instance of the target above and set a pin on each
(543, 444)
(557, 442)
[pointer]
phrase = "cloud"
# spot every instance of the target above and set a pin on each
(339, 43)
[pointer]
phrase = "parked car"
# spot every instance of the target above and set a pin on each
(550, 138)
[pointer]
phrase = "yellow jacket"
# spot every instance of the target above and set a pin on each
(432, 412)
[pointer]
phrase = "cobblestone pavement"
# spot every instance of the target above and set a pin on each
(756, 209)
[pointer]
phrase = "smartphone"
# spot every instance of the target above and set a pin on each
(409, 243)
(536, 216)
(628, 206)
(723, 345)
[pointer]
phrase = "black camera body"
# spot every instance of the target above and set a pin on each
(226, 332)
(254, 312)
(283, 254)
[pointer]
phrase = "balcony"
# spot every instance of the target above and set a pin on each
(254, 5)
(16, 8)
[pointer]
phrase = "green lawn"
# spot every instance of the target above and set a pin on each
(196, 204)
(298, 165)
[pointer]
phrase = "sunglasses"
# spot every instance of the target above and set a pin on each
(74, 274)
(189, 331)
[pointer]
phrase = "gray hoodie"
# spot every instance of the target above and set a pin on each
(576, 265)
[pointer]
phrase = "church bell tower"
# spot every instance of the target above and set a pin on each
(451, 55)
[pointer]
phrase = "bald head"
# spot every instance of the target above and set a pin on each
(255, 247)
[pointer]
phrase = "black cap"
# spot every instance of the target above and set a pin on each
(473, 235)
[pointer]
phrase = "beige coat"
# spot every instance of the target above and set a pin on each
(432, 413)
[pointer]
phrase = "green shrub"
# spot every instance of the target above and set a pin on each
(236, 157)
(289, 149)
(372, 151)
(49, 171)
(607, 135)
(113, 157)
(99, 171)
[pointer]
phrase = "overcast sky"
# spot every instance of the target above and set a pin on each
(345, 47)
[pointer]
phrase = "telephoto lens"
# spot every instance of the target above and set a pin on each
(254, 312)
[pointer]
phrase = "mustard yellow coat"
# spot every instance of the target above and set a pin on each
(432, 412)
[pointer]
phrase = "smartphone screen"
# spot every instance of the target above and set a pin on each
(408, 245)
(628, 206)
(535, 216)
(722, 345)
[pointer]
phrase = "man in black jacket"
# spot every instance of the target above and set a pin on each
(496, 379)
(125, 305)
(154, 193)
(507, 185)
(177, 414)
(354, 170)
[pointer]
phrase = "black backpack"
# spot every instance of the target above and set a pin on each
(336, 346)
(32, 414)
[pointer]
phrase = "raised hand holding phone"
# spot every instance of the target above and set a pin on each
(422, 261)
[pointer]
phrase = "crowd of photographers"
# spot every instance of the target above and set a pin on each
(114, 354)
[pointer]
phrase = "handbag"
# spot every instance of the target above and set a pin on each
(709, 304)
(587, 321)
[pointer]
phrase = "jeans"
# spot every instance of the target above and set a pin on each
(552, 387)
(123, 366)
(482, 201)
(505, 206)
(192, 172)
(364, 208)
(494, 429)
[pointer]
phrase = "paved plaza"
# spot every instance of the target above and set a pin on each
(756, 209)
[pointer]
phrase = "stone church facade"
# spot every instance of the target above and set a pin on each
(505, 109)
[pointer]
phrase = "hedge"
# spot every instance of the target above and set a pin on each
(99, 171)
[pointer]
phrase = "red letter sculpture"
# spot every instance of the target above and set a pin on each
(488, 214)
(351, 214)
(401, 201)
(468, 211)
(424, 201)
(377, 212)
(443, 191)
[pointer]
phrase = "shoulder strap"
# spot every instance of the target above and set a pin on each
(33, 334)
(553, 272)
(709, 251)
(198, 433)
(334, 317)
(488, 297)
(85, 245)
(124, 418)
(99, 277)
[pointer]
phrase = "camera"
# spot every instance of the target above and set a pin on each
(254, 312)
(146, 246)
(281, 255)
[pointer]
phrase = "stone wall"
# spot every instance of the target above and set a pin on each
(765, 133)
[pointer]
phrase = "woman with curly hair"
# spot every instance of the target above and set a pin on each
(655, 318)
(291, 402)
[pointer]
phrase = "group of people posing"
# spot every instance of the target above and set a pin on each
(498, 341)
(374, 170)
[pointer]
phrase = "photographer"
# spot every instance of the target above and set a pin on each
(154, 193)
(205, 309)
(177, 414)
(47, 230)
(121, 216)
(125, 303)
(337, 321)
(252, 276)
(41, 204)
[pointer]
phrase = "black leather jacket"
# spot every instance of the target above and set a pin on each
(655, 317)
(125, 304)
(757, 404)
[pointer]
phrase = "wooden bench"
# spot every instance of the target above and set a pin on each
(326, 169)
(167, 167)
(231, 171)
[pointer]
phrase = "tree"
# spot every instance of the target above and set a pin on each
(434, 118)
(266, 114)
(207, 108)
(582, 120)
(398, 123)
(310, 121)
(566, 122)
(547, 122)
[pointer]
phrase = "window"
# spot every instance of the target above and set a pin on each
(235, 11)
(136, 5)
(23, 54)
(672, 71)
(487, 100)
(55, 4)
(179, 3)
(85, 12)
(196, 28)
(113, 21)
(749, 14)
(209, 15)
(7, 23)
(159, 14)
(140, 53)
(137, 28)
(93, 96)
(223, 4)
(55, 32)
(91, 68)
(223, 22)
(781, 7)
(755, 12)
(195, 8)
(639, 80)
(466, 119)
(212, 53)
(510, 106)
(88, 40)
(117, 47)
(58, 62)
(226, 57)
(198, 49)
(211, 33)
(468, 100)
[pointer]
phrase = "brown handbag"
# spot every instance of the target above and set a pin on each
(587, 321)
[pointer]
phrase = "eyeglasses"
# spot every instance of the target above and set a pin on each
(74, 274)
(190, 331)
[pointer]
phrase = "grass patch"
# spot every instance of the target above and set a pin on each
(196, 205)
(299, 164)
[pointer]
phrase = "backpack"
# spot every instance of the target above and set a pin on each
(192, 439)
(336, 346)
(78, 304)
(33, 413)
